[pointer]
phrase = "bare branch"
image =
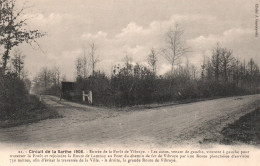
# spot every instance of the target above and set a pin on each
(175, 48)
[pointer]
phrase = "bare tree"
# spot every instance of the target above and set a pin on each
(235, 71)
(94, 59)
(203, 68)
(175, 47)
(253, 71)
(252, 67)
(79, 67)
(46, 77)
(56, 74)
(222, 63)
(42, 81)
(193, 71)
(84, 64)
(216, 61)
(152, 60)
(227, 59)
(209, 70)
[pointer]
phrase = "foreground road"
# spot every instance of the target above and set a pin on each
(162, 126)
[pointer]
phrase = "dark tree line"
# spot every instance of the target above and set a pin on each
(14, 85)
(131, 84)
(221, 75)
(48, 81)
(224, 68)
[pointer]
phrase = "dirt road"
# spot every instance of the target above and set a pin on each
(162, 126)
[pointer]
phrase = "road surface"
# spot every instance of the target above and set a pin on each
(162, 126)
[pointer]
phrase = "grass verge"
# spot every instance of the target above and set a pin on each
(30, 111)
(246, 129)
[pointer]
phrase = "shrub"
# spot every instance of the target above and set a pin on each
(13, 94)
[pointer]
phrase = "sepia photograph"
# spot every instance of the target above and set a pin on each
(129, 82)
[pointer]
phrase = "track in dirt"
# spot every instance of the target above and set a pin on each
(164, 126)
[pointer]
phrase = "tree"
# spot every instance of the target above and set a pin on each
(18, 63)
(222, 63)
(128, 65)
(193, 71)
(152, 60)
(209, 70)
(227, 61)
(46, 75)
(252, 68)
(79, 67)
(216, 61)
(47, 81)
(253, 72)
(175, 47)
(236, 74)
(56, 74)
(82, 65)
(94, 59)
(203, 68)
(13, 30)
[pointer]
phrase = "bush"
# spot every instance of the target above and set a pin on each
(99, 84)
(15, 102)
(13, 94)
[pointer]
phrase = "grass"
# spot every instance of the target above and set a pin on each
(30, 111)
(246, 129)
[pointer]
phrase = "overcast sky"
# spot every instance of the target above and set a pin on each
(133, 27)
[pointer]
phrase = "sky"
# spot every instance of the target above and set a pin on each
(133, 27)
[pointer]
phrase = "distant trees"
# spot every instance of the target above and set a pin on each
(221, 63)
(56, 76)
(82, 66)
(43, 80)
(227, 70)
(216, 62)
(130, 84)
(47, 81)
(227, 63)
(219, 66)
(253, 69)
(87, 62)
(175, 47)
(253, 74)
